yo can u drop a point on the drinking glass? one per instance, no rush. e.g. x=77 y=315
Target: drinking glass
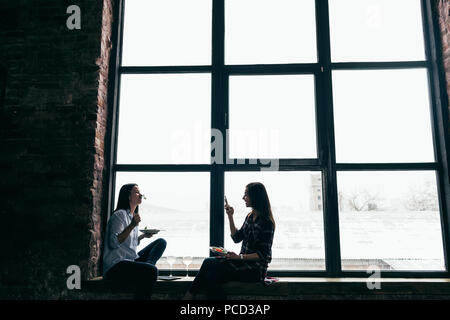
x=171 y=261
x=187 y=260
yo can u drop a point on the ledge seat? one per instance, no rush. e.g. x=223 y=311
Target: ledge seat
x=286 y=288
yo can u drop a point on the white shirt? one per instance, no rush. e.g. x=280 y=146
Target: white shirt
x=114 y=251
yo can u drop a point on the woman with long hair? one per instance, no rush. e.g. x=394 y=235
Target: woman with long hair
x=252 y=262
x=121 y=263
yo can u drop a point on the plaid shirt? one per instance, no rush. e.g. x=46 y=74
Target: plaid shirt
x=256 y=237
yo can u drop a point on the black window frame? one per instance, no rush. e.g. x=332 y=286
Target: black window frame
x=326 y=160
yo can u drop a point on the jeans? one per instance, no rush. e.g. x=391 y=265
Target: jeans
x=141 y=272
x=216 y=271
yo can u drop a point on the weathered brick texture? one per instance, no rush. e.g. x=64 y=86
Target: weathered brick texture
x=52 y=131
x=444 y=22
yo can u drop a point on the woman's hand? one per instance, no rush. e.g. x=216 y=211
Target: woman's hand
x=229 y=210
x=147 y=235
x=144 y=235
x=126 y=232
x=232 y=256
x=136 y=219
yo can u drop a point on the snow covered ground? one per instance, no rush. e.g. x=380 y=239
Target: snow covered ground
x=400 y=240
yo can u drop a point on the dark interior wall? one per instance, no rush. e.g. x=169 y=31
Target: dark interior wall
x=52 y=131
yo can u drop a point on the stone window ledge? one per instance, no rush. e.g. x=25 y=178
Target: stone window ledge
x=291 y=288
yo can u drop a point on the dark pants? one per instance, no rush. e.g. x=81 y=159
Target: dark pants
x=216 y=271
x=141 y=273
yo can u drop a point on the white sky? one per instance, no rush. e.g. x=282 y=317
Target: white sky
x=280 y=107
x=380 y=115
x=167 y=32
x=267 y=31
x=170 y=114
x=376 y=30
x=164 y=118
x=178 y=32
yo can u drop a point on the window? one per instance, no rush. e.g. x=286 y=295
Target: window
x=298 y=242
x=390 y=220
x=269 y=32
x=282 y=113
x=329 y=110
x=148 y=105
x=387 y=219
x=395 y=100
x=172 y=35
x=372 y=31
x=176 y=208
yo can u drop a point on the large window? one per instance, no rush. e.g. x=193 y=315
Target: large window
x=330 y=104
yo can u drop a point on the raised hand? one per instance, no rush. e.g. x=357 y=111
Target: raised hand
x=136 y=219
x=229 y=209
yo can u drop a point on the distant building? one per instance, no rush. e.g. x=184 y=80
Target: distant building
x=316 y=203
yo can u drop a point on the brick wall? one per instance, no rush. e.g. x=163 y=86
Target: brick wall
x=52 y=128
x=444 y=22
x=99 y=196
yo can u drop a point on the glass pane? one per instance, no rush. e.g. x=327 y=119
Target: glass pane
x=269 y=31
x=272 y=117
x=381 y=30
x=296 y=201
x=178 y=204
x=165 y=118
x=167 y=32
x=382 y=116
x=390 y=220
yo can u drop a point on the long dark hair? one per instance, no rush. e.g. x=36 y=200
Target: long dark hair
x=124 y=197
x=260 y=200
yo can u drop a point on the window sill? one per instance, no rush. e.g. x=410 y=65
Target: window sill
x=297 y=288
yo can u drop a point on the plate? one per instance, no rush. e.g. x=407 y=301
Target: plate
x=149 y=231
x=218 y=250
x=168 y=278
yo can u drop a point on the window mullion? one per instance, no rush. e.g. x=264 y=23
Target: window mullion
x=218 y=105
x=326 y=142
